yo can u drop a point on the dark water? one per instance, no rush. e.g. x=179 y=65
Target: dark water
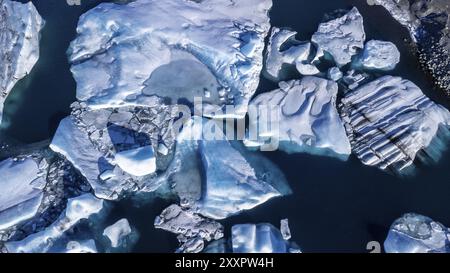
x=336 y=206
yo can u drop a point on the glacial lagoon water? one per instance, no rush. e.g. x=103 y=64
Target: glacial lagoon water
x=335 y=206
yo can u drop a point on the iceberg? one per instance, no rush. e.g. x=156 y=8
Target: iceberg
x=114 y=148
x=414 y=233
x=219 y=178
x=125 y=54
x=308 y=118
x=47 y=240
x=191 y=228
x=335 y=74
x=341 y=37
x=378 y=55
x=118 y=232
x=260 y=238
x=86 y=246
x=20 y=25
x=389 y=121
x=21 y=191
x=284 y=49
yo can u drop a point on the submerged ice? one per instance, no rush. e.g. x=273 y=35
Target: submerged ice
x=125 y=54
x=414 y=233
x=20 y=25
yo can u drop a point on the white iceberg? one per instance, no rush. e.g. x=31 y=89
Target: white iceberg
x=308 y=119
x=191 y=228
x=86 y=246
x=78 y=208
x=341 y=37
x=378 y=55
x=118 y=232
x=284 y=49
x=138 y=162
x=21 y=192
x=20 y=25
x=414 y=233
x=260 y=238
x=389 y=121
x=124 y=54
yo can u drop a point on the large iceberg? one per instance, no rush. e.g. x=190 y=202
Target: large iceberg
x=20 y=25
x=378 y=55
x=124 y=54
x=260 y=238
x=308 y=118
x=389 y=121
x=341 y=37
x=191 y=228
x=52 y=238
x=414 y=233
x=222 y=177
x=21 y=191
x=114 y=148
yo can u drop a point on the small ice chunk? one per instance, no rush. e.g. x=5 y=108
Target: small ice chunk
x=414 y=233
x=20 y=191
x=87 y=246
x=117 y=232
x=284 y=228
x=378 y=55
x=191 y=227
x=138 y=162
x=341 y=37
x=335 y=74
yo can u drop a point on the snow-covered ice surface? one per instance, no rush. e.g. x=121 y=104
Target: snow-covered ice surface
x=223 y=178
x=414 y=233
x=260 y=238
x=21 y=193
x=86 y=246
x=192 y=229
x=51 y=238
x=118 y=232
x=389 y=121
x=309 y=120
x=92 y=139
x=378 y=55
x=341 y=37
x=284 y=49
x=124 y=54
x=20 y=25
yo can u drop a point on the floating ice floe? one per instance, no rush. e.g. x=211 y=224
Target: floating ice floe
x=114 y=148
x=191 y=228
x=124 y=54
x=308 y=118
x=284 y=49
x=378 y=55
x=21 y=190
x=390 y=122
x=118 y=232
x=20 y=25
x=414 y=233
x=260 y=238
x=341 y=37
x=52 y=238
x=221 y=178
x=86 y=246
x=335 y=74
